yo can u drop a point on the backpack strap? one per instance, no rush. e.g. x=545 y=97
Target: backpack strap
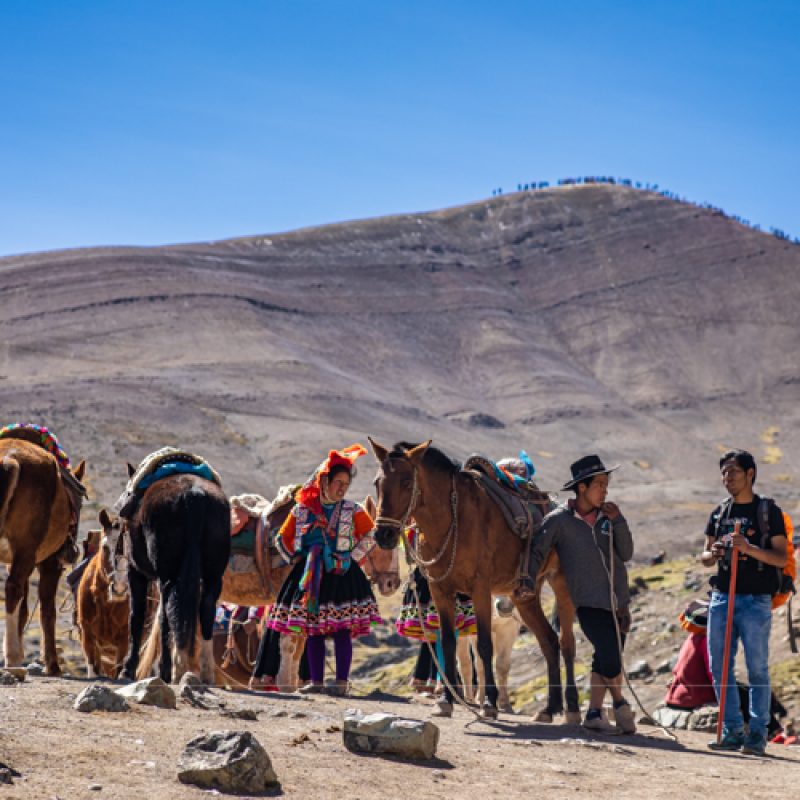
x=762 y=520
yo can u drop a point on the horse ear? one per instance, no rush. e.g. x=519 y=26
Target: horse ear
x=80 y=470
x=416 y=454
x=380 y=451
x=105 y=520
x=131 y=470
x=369 y=506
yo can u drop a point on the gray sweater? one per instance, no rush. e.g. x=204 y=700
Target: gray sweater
x=574 y=541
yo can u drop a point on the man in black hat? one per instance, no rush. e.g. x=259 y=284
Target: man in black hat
x=582 y=531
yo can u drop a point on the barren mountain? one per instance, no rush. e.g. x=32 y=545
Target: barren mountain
x=570 y=320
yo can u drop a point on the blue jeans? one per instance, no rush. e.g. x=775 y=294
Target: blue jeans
x=752 y=619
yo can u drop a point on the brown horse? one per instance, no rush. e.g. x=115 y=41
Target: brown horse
x=467 y=547
x=38 y=521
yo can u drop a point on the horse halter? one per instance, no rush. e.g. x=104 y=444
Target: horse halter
x=400 y=524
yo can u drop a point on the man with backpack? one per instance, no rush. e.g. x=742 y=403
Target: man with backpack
x=751 y=529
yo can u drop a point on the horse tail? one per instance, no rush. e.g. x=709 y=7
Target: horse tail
x=151 y=649
x=183 y=603
x=9 y=477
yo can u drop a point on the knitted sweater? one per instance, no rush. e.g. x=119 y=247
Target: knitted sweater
x=576 y=543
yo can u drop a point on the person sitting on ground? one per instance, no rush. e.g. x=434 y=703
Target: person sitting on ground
x=327 y=593
x=581 y=531
x=734 y=531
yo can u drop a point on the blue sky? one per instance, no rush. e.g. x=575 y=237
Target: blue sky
x=158 y=122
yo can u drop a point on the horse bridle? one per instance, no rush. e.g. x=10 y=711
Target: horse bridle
x=113 y=576
x=401 y=524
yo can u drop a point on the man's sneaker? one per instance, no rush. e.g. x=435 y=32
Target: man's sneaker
x=596 y=721
x=623 y=716
x=731 y=741
x=754 y=744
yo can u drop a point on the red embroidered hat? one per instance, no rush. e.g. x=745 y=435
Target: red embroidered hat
x=309 y=495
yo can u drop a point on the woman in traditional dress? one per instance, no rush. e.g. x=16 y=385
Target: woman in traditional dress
x=327 y=593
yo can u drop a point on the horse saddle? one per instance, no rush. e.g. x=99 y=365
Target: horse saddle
x=523 y=505
x=157 y=465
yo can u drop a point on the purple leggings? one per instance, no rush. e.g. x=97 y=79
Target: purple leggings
x=343 y=648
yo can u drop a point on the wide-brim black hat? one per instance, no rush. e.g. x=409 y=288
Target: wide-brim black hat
x=585 y=468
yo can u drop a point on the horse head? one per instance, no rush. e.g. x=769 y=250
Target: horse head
x=397 y=488
x=114 y=556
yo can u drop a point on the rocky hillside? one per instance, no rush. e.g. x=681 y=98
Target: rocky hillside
x=570 y=320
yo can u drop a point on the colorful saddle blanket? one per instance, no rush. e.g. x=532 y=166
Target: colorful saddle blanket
x=161 y=464
x=37 y=434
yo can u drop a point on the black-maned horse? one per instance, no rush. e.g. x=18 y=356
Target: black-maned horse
x=180 y=536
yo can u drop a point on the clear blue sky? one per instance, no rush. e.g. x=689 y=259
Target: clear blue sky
x=153 y=122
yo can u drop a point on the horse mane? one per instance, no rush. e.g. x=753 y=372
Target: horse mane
x=434 y=458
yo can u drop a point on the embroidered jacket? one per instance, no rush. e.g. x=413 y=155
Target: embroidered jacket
x=354 y=531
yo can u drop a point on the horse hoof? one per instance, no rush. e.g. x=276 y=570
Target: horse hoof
x=489 y=712
x=543 y=716
x=442 y=709
x=53 y=672
x=506 y=708
x=573 y=718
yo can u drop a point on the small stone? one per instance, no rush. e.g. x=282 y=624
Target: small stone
x=388 y=733
x=672 y=717
x=279 y=712
x=6 y=775
x=438 y=774
x=240 y=713
x=100 y=698
x=95 y=787
x=191 y=679
x=230 y=761
x=35 y=669
x=703 y=719
x=640 y=669
x=150 y=692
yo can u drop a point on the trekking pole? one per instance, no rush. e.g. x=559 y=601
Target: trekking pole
x=726 y=652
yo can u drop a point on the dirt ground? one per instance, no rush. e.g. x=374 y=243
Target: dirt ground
x=61 y=753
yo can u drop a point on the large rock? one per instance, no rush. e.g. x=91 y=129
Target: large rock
x=150 y=692
x=100 y=698
x=388 y=733
x=230 y=761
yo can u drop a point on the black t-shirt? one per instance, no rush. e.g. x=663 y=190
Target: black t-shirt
x=752 y=576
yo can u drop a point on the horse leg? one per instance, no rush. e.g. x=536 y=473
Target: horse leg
x=22 y=616
x=446 y=606
x=566 y=616
x=465 y=668
x=165 y=661
x=49 y=572
x=482 y=601
x=481 y=698
x=505 y=632
x=530 y=610
x=208 y=607
x=16 y=589
x=139 y=585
